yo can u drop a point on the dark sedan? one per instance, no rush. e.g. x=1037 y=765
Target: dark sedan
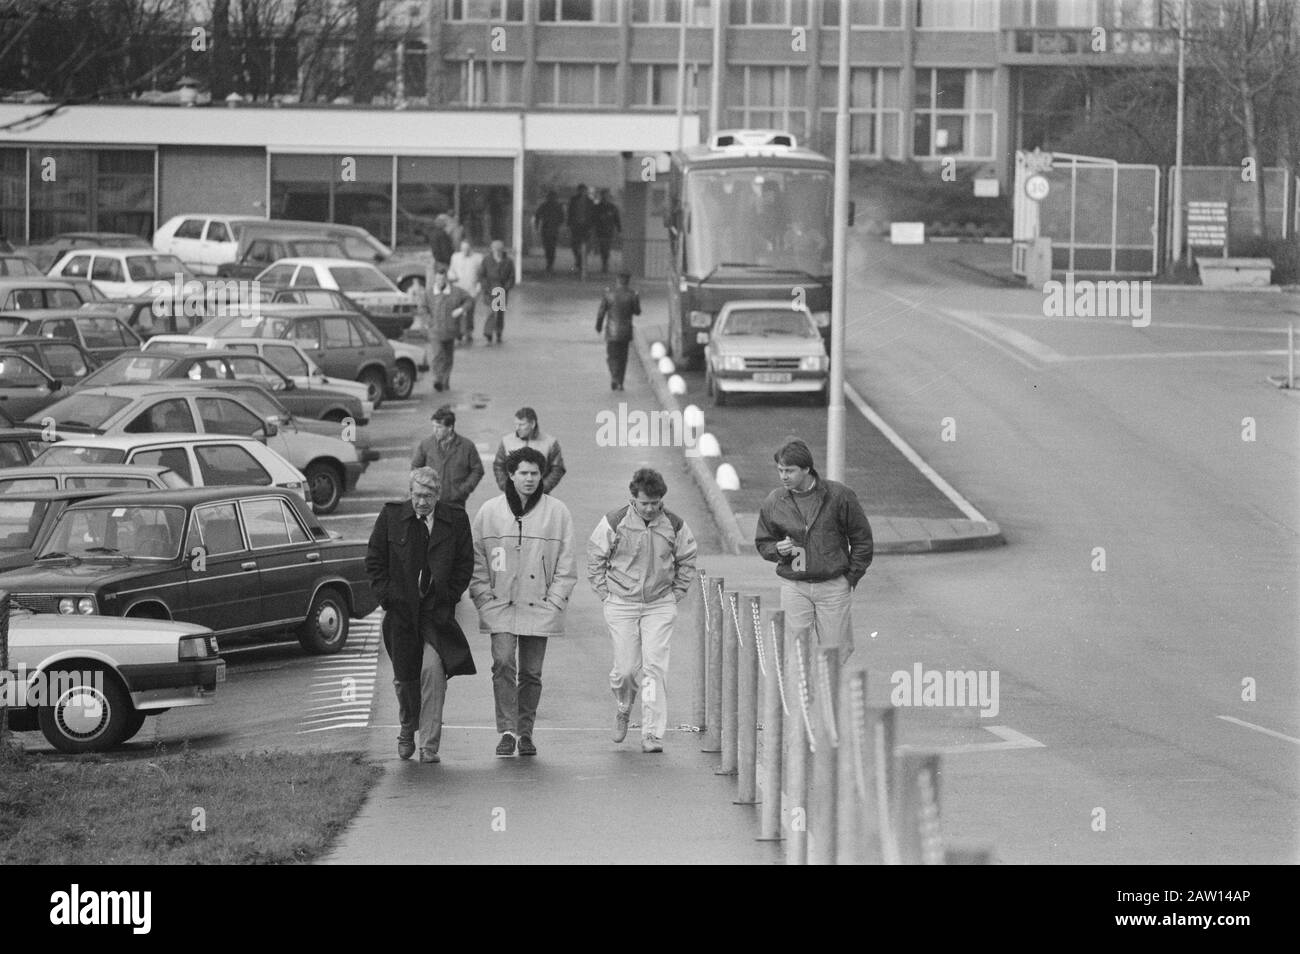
x=240 y=560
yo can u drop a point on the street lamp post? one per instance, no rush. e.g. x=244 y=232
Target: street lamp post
x=839 y=278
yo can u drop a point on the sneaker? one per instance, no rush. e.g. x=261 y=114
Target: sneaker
x=526 y=746
x=507 y=745
x=651 y=744
x=620 y=723
x=405 y=748
x=429 y=757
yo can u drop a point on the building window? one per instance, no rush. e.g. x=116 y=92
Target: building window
x=957 y=14
x=773 y=98
x=875 y=114
x=13 y=194
x=655 y=84
x=1049 y=13
x=769 y=12
x=953 y=114
x=484 y=84
x=879 y=14
x=577 y=11
x=698 y=12
x=577 y=84
x=480 y=10
x=1051 y=104
x=96 y=190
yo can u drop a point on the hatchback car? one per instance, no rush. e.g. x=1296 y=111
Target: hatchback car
x=46 y=253
x=765 y=347
x=115 y=477
x=103 y=337
x=240 y=560
x=122 y=273
x=203 y=241
x=390 y=326
x=371 y=289
x=36 y=294
x=92 y=681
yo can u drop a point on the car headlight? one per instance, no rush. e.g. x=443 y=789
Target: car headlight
x=813 y=362
x=74 y=605
x=822 y=319
x=193 y=647
x=733 y=362
x=701 y=319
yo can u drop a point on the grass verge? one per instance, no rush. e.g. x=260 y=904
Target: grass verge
x=190 y=808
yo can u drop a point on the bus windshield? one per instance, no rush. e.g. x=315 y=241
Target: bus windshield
x=768 y=218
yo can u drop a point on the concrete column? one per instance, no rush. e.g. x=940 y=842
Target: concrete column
x=907 y=81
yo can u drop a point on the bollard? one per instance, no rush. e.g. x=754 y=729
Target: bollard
x=916 y=815
x=711 y=737
x=849 y=812
x=794 y=813
x=4 y=666
x=750 y=629
x=864 y=827
x=730 y=665
x=823 y=788
x=701 y=654
x=774 y=711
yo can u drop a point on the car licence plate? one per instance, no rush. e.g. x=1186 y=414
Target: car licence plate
x=773 y=377
x=221 y=672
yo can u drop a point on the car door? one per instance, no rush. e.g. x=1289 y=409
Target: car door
x=288 y=565
x=288 y=360
x=174 y=456
x=105 y=337
x=75 y=266
x=306 y=334
x=165 y=416
x=217 y=248
x=65 y=361
x=223 y=583
x=187 y=242
x=343 y=345
x=24 y=388
x=221 y=415
x=259 y=371
x=109 y=276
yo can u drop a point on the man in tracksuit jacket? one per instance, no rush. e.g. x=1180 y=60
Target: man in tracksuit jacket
x=528 y=433
x=815 y=532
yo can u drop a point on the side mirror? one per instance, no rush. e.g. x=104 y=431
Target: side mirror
x=287 y=385
x=267 y=430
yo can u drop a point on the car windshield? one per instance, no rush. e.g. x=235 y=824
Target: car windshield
x=261 y=402
x=360 y=278
x=766 y=218
x=20 y=521
x=81 y=410
x=152 y=267
x=12 y=326
x=62 y=455
x=130 y=368
x=773 y=321
x=144 y=532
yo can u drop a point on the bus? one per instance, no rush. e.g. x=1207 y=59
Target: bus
x=749 y=216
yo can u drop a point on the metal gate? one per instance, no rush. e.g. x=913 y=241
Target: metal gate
x=1101 y=215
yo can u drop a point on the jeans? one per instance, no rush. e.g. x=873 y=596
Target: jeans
x=442 y=361
x=640 y=633
x=517 y=686
x=823 y=607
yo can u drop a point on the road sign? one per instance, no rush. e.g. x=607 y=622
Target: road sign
x=1037 y=187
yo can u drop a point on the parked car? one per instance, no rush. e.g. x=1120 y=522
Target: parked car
x=332 y=465
x=765 y=347
x=119 y=477
x=36 y=294
x=46 y=253
x=103 y=337
x=24 y=388
x=202 y=241
x=203 y=460
x=18 y=445
x=65 y=360
x=110 y=675
x=289 y=359
x=344 y=345
x=138 y=314
x=240 y=560
x=390 y=326
x=85 y=289
x=26 y=519
x=362 y=282
x=260 y=248
x=18 y=266
x=122 y=273
x=202 y=367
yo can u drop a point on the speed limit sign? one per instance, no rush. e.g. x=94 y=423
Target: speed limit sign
x=1037 y=187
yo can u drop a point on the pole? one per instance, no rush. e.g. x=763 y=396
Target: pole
x=824 y=789
x=774 y=698
x=700 y=702
x=681 y=80
x=750 y=631
x=730 y=665
x=4 y=665
x=1176 y=246
x=1290 y=355
x=835 y=411
x=711 y=738
x=794 y=813
x=715 y=72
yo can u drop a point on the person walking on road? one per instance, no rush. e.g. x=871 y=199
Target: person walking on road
x=447 y=305
x=580 y=223
x=547 y=221
x=440 y=241
x=523 y=576
x=420 y=559
x=605 y=226
x=463 y=273
x=453 y=457
x=617 y=307
x=641 y=563
x=496 y=276
x=816 y=533
x=528 y=433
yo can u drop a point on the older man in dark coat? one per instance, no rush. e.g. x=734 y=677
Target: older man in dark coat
x=420 y=560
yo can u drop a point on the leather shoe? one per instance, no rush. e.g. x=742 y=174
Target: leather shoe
x=405 y=748
x=429 y=757
x=526 y=746
x=507 y=745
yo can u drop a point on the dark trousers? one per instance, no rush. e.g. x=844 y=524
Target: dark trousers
x=616 y=358
x=442 y=361
x=494 y=323
x=579 y=240
x=549 y=240
x=602 y=246
x=467 y=320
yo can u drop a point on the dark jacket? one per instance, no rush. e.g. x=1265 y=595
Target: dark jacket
x=549 y=216
x=836 y=542
x=459 y=466
x=442 y=246
x=393 y=564
x=605 y=221
x=493 y=275
x=618 y=305
x=580 y=214
x=442 y=323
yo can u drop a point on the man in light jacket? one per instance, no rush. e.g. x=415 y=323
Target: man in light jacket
x=523 y=575
x=529 y=434
x=641 y=563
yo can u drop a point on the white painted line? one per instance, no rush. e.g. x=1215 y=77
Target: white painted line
x=1150 y=356
x=1016 y=339
x=1260 y=728
x=945 y=488
x=327 y=728
x=348 y=516
x=1011 y=740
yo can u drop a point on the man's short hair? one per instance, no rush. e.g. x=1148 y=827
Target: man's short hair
x=527 y=414
x=525 y=455
x=445 y=415
x=649 y=481
x=794 y=453
x=426 y=477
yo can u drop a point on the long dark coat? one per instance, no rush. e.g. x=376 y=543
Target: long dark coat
x=393 y=564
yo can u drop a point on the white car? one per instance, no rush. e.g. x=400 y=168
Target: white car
x=121 y=272
x=202 y=241
x=362 y=282
x=89 y=682
x=765 y=347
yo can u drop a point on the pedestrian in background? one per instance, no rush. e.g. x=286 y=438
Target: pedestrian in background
x=463 y=273
x=440 y=241
x=547 y=221
x=617 y=307
x=580 y=222
x=452 y=456
x=446 y=305
x=420 y=559
x=496 y=276
x=528 y=433
x=641 y=563
x=816 y=533
x=605 y=226
x=523 y=576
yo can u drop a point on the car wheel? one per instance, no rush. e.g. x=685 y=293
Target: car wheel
x=403 y=381
x=338 y=415
x=325 y=630
x=823 y=396
x=326 y=485
x=414 y=285
x=88 y=717
x=373 y=379
x=715 y=392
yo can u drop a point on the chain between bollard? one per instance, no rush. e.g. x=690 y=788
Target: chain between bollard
x=780 y=677
x=758 y=640
x=704 y=592
x=734 y=600
x=803 y=694
x=828 y=704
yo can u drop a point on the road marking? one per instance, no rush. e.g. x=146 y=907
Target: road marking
x=1016 y=339
x=1156 y=355
x=349 y=684
x=951 y=319
x=1260 y=728
x=945 y=488
x=348 y=516
x=1011 y=739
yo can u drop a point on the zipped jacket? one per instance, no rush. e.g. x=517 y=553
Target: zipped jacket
x=835 y=542
x=639 y=562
